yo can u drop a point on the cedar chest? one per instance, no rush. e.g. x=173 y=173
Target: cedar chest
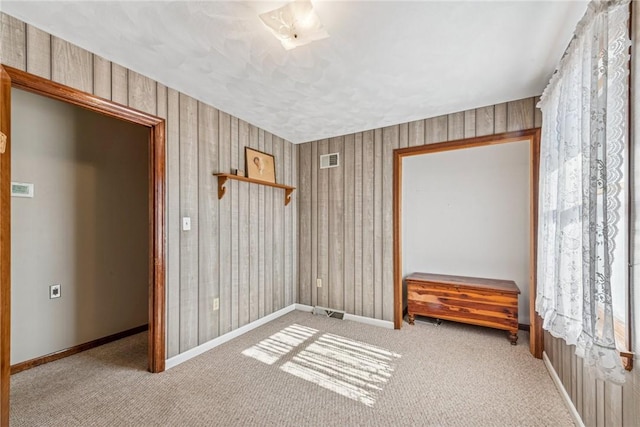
x=484 y=302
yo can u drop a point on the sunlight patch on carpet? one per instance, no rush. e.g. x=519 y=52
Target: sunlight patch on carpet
x=277 y=345
x=350 y=368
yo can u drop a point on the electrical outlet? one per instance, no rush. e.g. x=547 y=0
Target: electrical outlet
x=216 y=304
x=54 y=291
x=319 y=283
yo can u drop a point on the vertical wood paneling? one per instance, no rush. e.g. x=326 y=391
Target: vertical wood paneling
x=304 y=205
x=368 y=228
x=613 y=405
x=579 y=386
x=254 y=239
x=404 y=135
x=269 y=236
x=336 y=228
x=287 y=227
x=102 y=78
x=600 y=397
x=189 y=208
x=416 y=133
x=208 y=257
x=141 y=93
x=484 y=121
x=500 y=118
x=436 y=130
x=390 y=141
x=631 y=397
x=323 y=227
x=358 y=223
x=235 y=225
x=261 y=237
x=119 y=84
x=13 y=44
x=277 y=201
x=377 y=224
x=520 y=114
x=455 y=124
x=348 y=192
x=537 y=118
x=599 y=403
x=224 y=225
x=173 y=223
x=73 y=65
x=314 y=223
x=470 y=124
x=295 y=158
x=38 y=52
x=243 y=230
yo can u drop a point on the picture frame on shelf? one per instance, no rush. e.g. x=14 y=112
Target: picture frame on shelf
x=259 y=165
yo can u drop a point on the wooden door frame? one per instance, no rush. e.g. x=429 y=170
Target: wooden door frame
x=533 y=136
x=156 y=125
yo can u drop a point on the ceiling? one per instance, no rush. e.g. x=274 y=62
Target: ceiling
x=385 y=62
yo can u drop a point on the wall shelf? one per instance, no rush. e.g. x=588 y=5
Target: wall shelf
x=223 y=177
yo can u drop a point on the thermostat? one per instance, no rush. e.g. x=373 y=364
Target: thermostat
x=21 y=189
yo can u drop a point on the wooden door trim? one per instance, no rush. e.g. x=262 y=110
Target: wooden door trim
x=157 y=142
x=5 y=248
x=533 y=136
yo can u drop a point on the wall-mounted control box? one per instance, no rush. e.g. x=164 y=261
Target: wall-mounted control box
x=21 y=189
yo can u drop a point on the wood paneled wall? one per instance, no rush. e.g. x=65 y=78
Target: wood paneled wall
x=599 y=403
x=243 y=248
x=345 y=213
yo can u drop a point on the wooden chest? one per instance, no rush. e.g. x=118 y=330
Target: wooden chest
x=483 y=302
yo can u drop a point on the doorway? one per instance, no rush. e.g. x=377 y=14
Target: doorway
x=79 y=233
x=11 y=77
x=532 y=139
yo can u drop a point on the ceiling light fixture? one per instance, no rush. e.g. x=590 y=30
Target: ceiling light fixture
x=295 y=24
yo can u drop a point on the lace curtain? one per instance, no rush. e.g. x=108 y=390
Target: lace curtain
x=582 y=151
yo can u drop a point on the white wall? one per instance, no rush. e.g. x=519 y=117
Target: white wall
x=86 y=228
x=466 y=212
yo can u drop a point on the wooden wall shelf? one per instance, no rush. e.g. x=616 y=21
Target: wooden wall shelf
x=223 y=177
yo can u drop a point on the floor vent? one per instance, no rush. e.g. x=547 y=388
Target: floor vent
x=329 y=160
x=322 y=311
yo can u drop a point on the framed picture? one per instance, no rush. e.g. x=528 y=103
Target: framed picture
x=259 y=165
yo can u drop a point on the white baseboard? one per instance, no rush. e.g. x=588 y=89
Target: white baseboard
x=196 y=351
x=303 y=307
x=367 y=320
x=565 y=396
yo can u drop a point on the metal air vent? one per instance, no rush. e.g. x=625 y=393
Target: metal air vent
x=329 y=160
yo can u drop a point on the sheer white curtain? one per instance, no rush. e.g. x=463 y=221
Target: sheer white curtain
x=582 y=153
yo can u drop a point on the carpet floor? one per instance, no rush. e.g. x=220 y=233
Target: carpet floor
x=302 y=370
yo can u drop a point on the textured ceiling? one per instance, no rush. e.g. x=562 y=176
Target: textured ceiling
x=384 y=62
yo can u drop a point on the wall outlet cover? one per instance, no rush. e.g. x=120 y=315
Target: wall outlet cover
x=54 y=291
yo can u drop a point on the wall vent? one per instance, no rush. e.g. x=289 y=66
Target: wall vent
x=329 y=160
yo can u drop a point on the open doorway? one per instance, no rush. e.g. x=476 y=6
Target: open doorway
x=530 y=140
x=11 y=77
x=79 y=234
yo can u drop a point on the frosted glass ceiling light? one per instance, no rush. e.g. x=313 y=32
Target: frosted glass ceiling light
x=295 y=24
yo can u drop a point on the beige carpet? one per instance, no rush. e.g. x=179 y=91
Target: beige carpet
x=302 y=370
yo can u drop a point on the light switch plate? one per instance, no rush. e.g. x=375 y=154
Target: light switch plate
x=186 y=223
